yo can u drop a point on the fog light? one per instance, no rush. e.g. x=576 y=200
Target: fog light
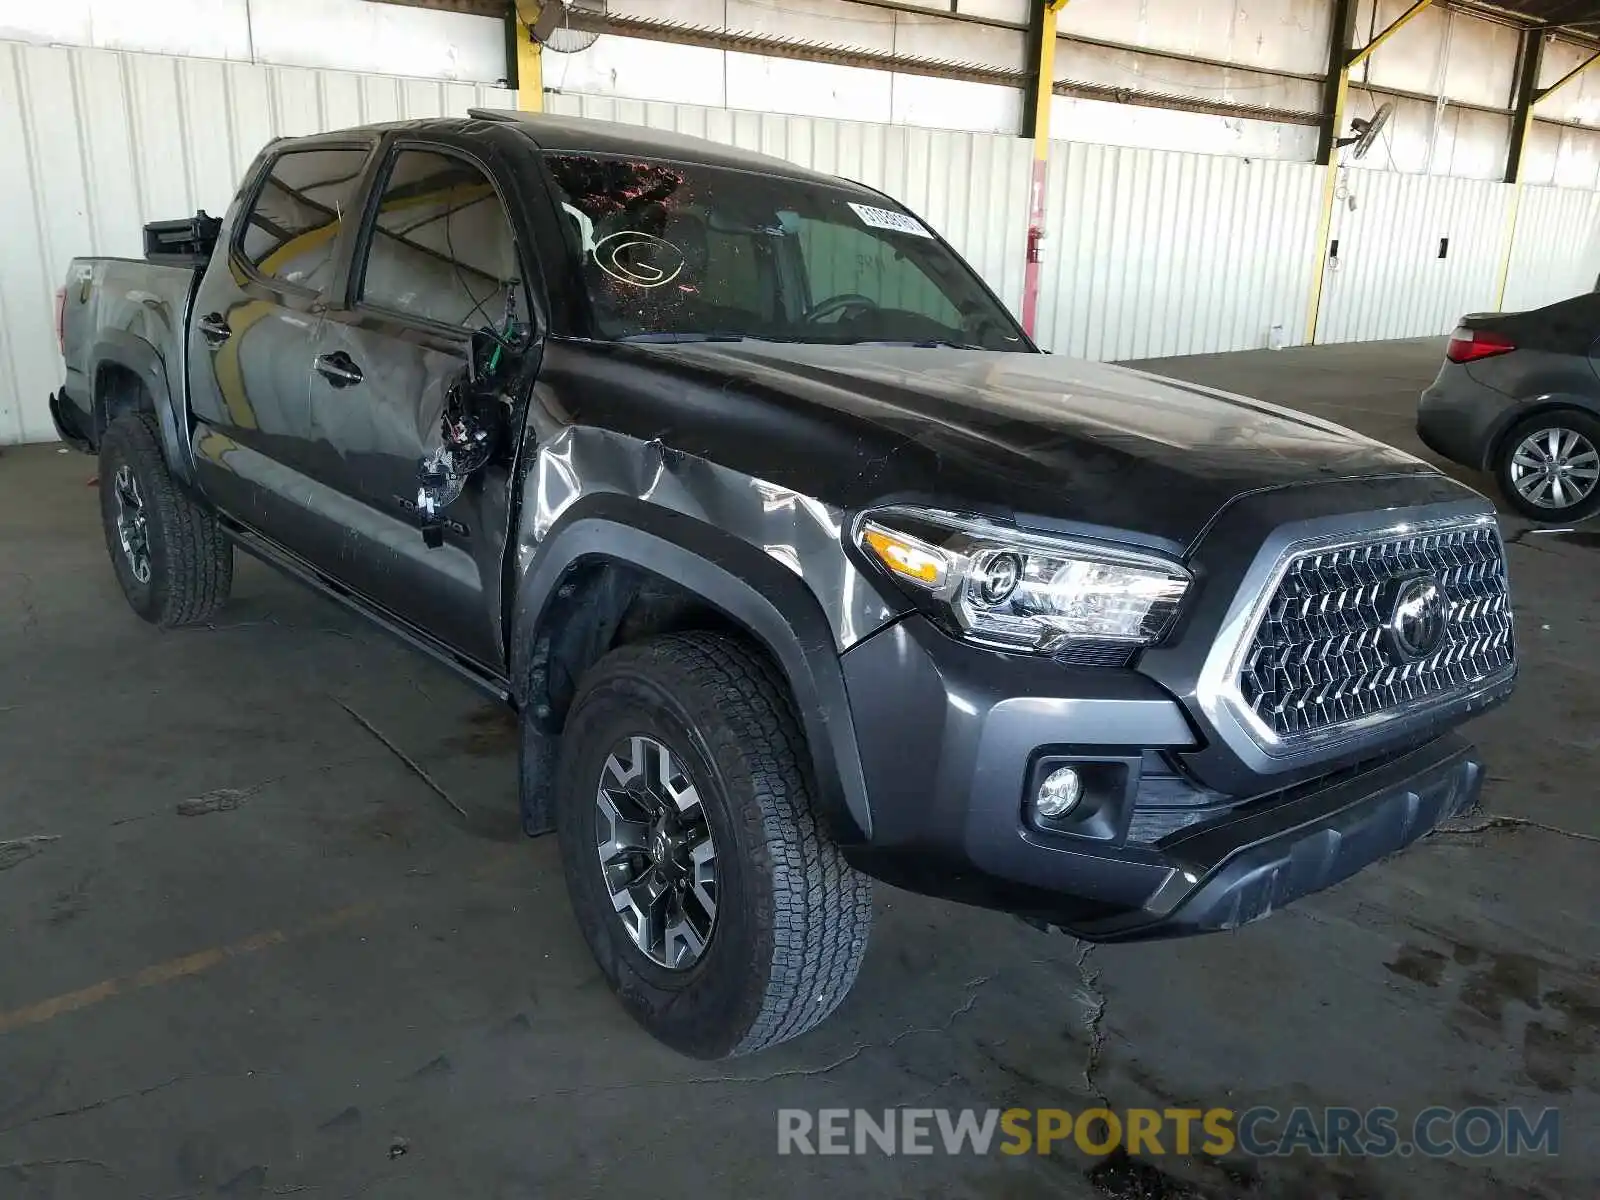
x=1059 y=793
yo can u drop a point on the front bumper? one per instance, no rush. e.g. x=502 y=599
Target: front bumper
x=952 y=738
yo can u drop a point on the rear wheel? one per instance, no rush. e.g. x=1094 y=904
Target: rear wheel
x=170 y=556
x=722 y=916
x=1549 y=466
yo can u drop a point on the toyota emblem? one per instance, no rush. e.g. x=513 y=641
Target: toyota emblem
x=1416 y=620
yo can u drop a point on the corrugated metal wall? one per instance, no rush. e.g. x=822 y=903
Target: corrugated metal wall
x=971 y=187
x=1390 y=281
x=1556 y=252
x=1151 y=252
x=94 y=143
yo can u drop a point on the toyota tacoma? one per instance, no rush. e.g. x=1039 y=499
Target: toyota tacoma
x=799 y=563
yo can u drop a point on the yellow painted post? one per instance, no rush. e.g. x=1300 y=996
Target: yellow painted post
x=530 y=71
x=1335 y=94
x=1043 y=93
x=1512 y=210
x=1529 y=93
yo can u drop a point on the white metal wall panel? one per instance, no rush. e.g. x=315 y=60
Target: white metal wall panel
x=343 y=35
x=1390 y=281
x=971 y=187
x=1556 y=250
x=1152 y=253
x=96 y=142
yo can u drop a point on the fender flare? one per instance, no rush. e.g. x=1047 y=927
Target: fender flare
x=752 y=589
x=134 y=354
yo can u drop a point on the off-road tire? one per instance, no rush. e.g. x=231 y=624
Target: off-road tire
x=792 y=917
x=191 y=562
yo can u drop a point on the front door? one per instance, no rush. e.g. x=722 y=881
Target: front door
x=438 y=264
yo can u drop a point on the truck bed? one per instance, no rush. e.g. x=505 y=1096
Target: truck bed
x=126 y=314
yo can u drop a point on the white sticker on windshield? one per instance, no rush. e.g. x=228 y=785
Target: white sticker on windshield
x=887 y=218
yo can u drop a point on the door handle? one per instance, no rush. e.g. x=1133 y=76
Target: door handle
x=215 y=329
x=339 y=369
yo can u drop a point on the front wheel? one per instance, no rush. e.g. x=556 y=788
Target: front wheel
x=1549 y=466
x=171 y=558
x=724 y=919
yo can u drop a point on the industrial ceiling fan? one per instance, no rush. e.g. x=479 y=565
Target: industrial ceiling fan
x=1366 y=130
x=550 y=23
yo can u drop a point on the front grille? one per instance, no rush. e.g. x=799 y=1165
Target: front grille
x=1321 y=658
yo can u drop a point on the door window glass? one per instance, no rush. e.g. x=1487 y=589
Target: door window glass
x=293 y=226
x=441 y=247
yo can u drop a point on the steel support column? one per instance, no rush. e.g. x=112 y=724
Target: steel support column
x=1527 y=94
x=1335 y=95
x=1336 y=86
x=1036 y=105
x=529 y=60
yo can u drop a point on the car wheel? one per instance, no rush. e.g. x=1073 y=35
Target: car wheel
x=1549 y=468
x=723 y=918
x=174 y=564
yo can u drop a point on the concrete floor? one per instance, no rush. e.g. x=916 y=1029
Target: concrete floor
x=246 y=952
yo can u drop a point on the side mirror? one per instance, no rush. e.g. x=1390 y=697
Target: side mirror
x=469 y=430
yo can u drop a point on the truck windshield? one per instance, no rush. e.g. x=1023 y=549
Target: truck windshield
x=684 y=252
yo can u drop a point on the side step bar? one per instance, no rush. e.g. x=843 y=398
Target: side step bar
x=468 y=671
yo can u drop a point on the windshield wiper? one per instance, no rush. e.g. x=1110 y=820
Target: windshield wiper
x=927 y=344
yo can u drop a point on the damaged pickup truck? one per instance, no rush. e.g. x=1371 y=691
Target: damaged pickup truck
x=801 y=565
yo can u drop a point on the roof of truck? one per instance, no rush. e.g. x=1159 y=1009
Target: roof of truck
x=550 y=131
x=554 y=132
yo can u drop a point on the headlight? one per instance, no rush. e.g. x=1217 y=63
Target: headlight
x=1016 y=591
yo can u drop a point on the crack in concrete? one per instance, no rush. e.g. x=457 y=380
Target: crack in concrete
x=30 y=1163
x=972 y=987
x=1094 y=1002
x=103 y=1102
x=923 y=1097
x=30 y=614
x=405 y=758
x=1493 y=821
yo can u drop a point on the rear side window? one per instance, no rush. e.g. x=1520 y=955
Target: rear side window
x=441 y=248
x=293 y=226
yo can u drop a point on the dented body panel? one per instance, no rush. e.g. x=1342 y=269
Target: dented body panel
x=126 y=316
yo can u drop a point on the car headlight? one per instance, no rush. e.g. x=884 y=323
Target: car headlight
x=993 y=584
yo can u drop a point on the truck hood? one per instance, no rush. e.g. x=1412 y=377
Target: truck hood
x=1052 y=441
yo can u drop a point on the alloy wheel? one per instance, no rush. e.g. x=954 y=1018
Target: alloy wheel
x=656 y=852
x=133 y=530
x=1555 y=468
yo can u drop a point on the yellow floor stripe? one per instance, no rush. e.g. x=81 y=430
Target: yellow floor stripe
x=176 y=968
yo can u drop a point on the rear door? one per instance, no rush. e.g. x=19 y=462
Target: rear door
x=253 y=326
x=437 y=260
